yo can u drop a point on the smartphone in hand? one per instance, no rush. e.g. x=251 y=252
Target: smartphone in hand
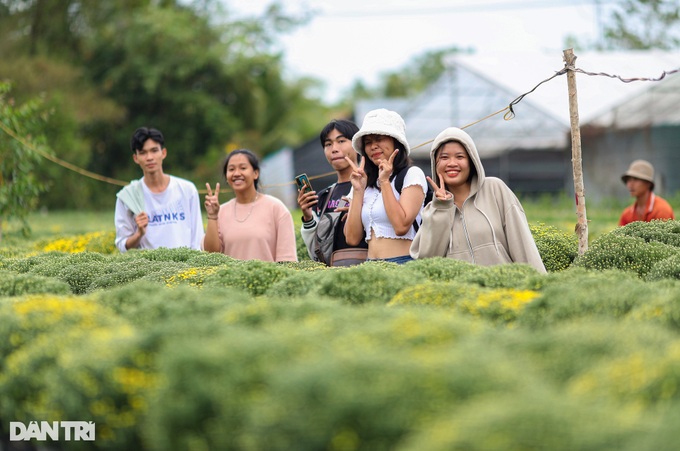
x=303 y=181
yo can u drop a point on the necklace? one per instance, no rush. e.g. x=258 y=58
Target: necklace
x=251 y=209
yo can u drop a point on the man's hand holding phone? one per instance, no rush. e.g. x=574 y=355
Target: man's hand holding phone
x=307 y=197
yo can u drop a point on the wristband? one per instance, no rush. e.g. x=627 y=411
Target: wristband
x=309 y=225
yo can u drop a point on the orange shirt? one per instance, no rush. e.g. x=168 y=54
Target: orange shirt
x=657 y=208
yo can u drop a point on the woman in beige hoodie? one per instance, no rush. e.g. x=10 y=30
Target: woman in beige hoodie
x=471 y=217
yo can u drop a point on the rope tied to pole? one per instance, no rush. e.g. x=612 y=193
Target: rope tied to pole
x=509 y=110
x=511 y=113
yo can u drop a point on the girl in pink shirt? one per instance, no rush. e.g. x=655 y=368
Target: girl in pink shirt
x=251 y=226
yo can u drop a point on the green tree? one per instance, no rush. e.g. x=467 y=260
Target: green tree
x=21 y=131
x=78 y=106
x=208 y=81
x=163 y=66
x=60 y=28
x=635 y=25
x=409 y=80
x=644 y=24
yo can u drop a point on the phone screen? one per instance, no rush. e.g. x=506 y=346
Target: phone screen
x=302 y=181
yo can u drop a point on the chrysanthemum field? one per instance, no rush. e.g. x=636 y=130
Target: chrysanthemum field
x=180 y=349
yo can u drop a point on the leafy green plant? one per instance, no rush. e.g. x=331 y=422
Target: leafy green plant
x=191 y=276
x=299 y=283
x=514 y=275
x=332 y=367
x=661 y=305
x=647 y=376
x=557 y=248
x=23 y=319
x=119 y=272
x=536 y=419
x=71 y=358
x=197 y=350
x=26 y=264
x=162 y=271
x=305 y=265
x=436 y=294
x=15 y=284
x=662 y=231
x=163 y=254
x=440 y=269
x=500 y=305
x=78 y=269
x=147 y=304
x=81 y=275
x=9 y=251
x=253 y=276
x=209 y=259
x=666 y=268
x=373 y=281
x=609 y=293
x=301 y=248
x=615 y=250
x=209 y=384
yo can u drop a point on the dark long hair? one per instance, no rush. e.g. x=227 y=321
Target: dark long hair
x=252 y=159
x=401 y=161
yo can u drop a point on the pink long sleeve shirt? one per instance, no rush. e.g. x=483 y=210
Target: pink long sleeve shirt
x=262 y=230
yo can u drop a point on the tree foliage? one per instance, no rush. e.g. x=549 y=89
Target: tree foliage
x=78 y=106
x=19 y=186
x=210 y=82
x=411 y=79
x=644 y=24
x=636 y=25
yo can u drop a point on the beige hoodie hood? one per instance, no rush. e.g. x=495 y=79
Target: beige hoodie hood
x=458 y=135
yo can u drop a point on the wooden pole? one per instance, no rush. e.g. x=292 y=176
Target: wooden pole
x=576 y=161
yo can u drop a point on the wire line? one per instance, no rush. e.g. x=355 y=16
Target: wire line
x=61 y=162
x=510 y=114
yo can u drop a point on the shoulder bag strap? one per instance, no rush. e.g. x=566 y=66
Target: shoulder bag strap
x=330 y=190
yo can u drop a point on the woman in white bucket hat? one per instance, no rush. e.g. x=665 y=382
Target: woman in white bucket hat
x=639 y=179
x=378 y=212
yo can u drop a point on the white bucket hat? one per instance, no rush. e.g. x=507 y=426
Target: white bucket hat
x=381 y=122
x=640 y=169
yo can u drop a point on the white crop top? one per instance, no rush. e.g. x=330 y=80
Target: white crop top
x=373 y=214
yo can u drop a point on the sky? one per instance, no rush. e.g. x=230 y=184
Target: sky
x=348 y=40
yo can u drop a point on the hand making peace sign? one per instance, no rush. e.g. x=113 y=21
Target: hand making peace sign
x=440 y=193
x=212 y=203
x=359 y=179
x=386 y=166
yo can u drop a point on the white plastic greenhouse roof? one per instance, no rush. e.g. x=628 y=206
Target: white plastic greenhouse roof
x=520 y=72
x=655 y=106
x=481 y=84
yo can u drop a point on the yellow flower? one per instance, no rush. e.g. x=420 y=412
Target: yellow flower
x=504 y=302
x=94 y=242
x=194 y=277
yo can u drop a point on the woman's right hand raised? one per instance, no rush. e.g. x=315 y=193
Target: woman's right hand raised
x=212 y=202
x=440 y=193
x=358 y=178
